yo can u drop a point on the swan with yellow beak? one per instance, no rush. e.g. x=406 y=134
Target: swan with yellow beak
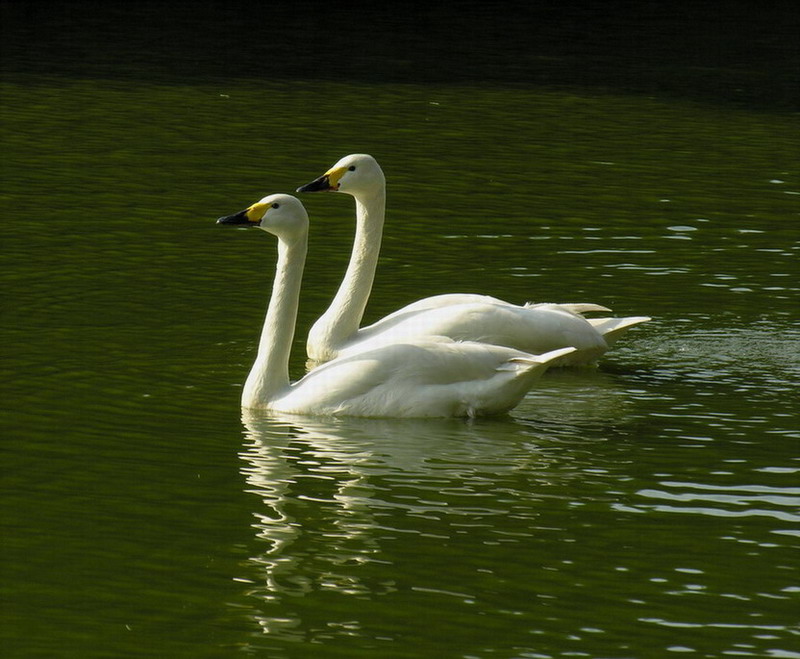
x=532 y=328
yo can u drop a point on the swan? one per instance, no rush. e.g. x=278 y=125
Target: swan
x=532 y=328
x=435 y=377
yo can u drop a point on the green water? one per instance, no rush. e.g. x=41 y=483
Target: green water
x=646 y=508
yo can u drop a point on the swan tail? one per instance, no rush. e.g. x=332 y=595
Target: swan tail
x=584 y=307
x=514 y=378
x=613 y=328
x=537 y=363
x=577 y=308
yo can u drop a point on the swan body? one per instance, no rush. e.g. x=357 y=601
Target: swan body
x=435 y=377
x=487 y=322
x=531 y=328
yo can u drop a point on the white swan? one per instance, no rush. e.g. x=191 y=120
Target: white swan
x=532 y=328
x=430 y=378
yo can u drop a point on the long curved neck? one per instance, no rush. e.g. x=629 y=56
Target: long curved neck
x=343 y=317
x=270 y=372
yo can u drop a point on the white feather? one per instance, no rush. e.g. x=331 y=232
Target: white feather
x=435 y=377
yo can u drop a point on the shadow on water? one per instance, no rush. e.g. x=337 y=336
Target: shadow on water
x=737 y=55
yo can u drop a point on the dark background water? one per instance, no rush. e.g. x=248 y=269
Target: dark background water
x=739 y=54
x=638 y=155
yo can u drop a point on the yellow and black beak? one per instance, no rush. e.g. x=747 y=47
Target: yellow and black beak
x=328 y=182
x=248 y=217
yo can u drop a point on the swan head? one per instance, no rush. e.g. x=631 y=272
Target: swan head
x=279 y=214
x=358 y=173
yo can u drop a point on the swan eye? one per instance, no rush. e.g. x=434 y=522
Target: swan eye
x=351 y=168
x=276 y=205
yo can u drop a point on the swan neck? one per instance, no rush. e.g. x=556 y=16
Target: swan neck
x=343 y=318
x=269 y=376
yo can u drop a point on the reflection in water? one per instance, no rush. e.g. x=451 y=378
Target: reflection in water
x=515 y=529
x=346 y=502
x=779 y=503
x=337 y=492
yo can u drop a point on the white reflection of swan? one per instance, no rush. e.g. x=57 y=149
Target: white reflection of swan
x=335 y=493
x=283 y=454
x=532 y=328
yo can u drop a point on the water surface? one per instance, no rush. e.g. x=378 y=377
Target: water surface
x=645 y=507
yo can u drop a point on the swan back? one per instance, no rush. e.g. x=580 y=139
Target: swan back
x=533 y=330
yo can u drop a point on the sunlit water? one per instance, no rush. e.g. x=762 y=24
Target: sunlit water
x=648 y=507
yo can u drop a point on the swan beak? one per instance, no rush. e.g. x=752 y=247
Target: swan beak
x=242 y=218
x=328 y=182
x=321 y=184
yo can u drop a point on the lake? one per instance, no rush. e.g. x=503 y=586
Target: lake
x=646 y=507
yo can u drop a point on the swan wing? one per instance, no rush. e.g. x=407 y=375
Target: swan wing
x=428 y=304
x=532 y=329
x=436 y=378
x=454 y=299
